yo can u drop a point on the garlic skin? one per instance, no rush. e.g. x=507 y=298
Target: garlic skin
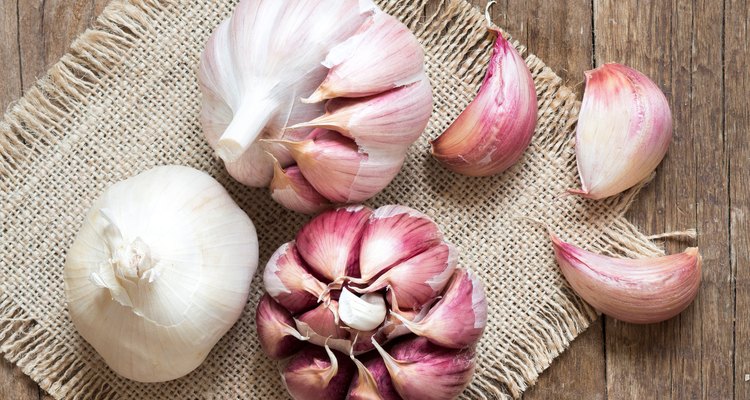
x=459 y=317
x=278 y=338
x=259 y=64
x=639 y=291
x=382 y=277
x=383 y=55
x=159 y=271
x=422 y=370
x=624 y=130
x=495 y=129
x=372 y=382
x=314 y=374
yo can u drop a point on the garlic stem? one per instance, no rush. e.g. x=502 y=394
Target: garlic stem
x=247 y=124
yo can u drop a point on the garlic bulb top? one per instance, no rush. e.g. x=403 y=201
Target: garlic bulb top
x=362 y=283
x=624 y=130
x=160 y=270
x=319 y=99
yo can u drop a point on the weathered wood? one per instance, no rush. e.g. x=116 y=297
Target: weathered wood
x=737 y=123
x=679 y=45
x=696 y=52
x=36 y=34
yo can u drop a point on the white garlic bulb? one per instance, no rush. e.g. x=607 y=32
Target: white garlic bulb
x=317 y=99
x=160 y=270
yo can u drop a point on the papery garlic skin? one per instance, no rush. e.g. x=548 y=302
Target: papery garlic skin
x=160 y=270
x=390 y=277
x=261 y=62
x=276 y=333
x=315 y=374
x=640 y=291
x=495 y=129
x=624 y=130
x=422 y=370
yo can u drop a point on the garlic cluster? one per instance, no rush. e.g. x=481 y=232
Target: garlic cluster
x=624 y=130
x=640 y=291
x=317 y=99
x=495 y=129
x=370 y=304
x=160 y=270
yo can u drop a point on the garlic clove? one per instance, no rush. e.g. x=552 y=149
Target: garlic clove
x=495 y=129
x=290 y=189
x=277 y=337
x=315 y=374
x=288 y=282
x=422 y=370
x=640 y=291
x=361 y=313
x=323 y=320
x=383 y=55
x=419 y=279
x=392 y=234
x=330 y=242
x=372 y=381
x=459 y=317
x=392 y=120
x=336 y=168
x=624 y=130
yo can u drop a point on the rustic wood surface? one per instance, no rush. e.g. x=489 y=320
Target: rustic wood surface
x=696 y=51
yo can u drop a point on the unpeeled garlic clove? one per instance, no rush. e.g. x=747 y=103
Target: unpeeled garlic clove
x=372 y=381
x=383 y=55
x=330 y=242
x=392 y=120
x=276 y=334
x=495 y=129
x=336 y=168
x=422 y=370
x=459 y=318
x=287 y=281
x=419 y=279
x=640 y=291
x=624 y=130
x=392 y=234
x=323 y=320
x=290 y=189
x=315 y=374
x=361 y=313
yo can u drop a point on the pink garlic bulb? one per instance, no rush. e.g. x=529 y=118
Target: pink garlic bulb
x=369 y=283
x=317 y=99
x=624 y=130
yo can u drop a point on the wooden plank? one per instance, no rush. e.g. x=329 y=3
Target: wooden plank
x=678 y=44
x=10 y=85
x=737 y=122
x=38 y=33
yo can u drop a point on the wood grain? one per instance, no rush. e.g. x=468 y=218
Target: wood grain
x=696 y=52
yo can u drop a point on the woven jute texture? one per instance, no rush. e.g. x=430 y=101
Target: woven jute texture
x=125 y=99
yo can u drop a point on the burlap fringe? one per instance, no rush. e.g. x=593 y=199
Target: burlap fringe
x=36 y=119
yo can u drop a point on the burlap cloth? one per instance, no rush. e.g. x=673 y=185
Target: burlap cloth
x=125 y=99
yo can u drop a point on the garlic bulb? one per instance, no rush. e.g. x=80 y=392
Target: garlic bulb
x=624 y=130
x=160 y=270
x=355 y=279
x=318 y=99
x=495 y=129
x=640 y=291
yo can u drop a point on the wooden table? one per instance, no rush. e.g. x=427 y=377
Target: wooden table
x=696 y=51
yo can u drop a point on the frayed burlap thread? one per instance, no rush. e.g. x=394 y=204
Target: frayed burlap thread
x=125 y=99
